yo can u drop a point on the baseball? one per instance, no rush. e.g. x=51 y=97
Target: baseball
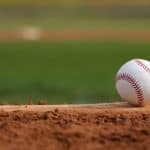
x=133 y=82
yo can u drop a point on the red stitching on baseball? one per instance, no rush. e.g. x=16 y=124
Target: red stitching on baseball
x=135 y=84
x=141 y=64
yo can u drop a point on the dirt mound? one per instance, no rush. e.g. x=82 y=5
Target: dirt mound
x=76 y=128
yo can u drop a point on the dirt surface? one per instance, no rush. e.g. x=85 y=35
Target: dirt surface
x=101 y=34
x=75 y=127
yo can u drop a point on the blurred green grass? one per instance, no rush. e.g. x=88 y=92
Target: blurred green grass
x=64 y=72
x=72 y=23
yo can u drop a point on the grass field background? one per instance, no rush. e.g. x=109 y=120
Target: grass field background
x=71 y=2
x=64 y=72
x=68 y=71
x=61 y=23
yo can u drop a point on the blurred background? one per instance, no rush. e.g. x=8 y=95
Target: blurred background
x=68 y=51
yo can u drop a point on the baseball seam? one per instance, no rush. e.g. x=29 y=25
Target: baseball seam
x=141 y=64
x=135 y=84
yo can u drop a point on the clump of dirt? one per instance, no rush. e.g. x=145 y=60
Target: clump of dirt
x=75 y=129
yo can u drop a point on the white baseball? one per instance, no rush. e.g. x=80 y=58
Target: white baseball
x=133 y=82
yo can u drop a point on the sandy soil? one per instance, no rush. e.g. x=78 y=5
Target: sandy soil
x=74 y=127
x=101 y=34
